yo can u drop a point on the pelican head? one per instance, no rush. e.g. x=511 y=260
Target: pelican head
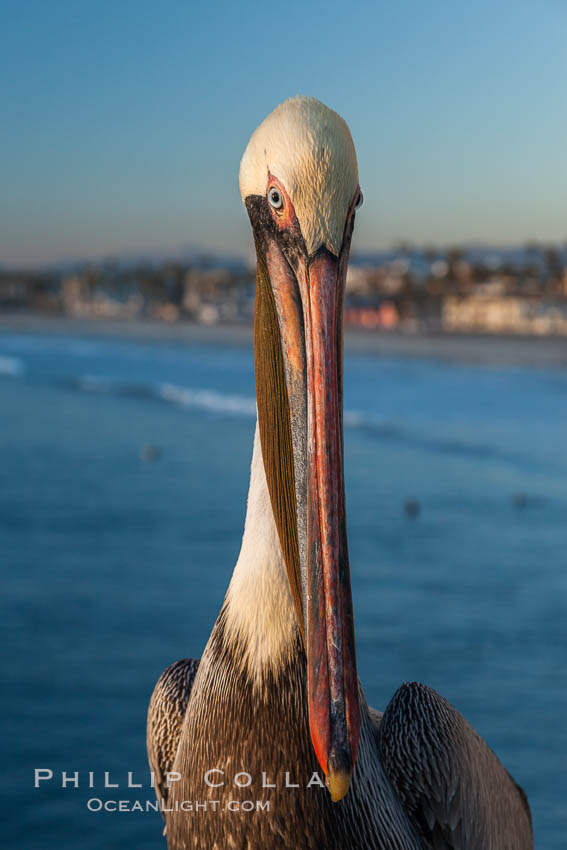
x=299 y=182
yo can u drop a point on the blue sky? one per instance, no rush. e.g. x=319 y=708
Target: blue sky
x=123 y=122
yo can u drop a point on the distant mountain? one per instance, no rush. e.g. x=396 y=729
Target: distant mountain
x=185 y=255
x=492 y=256
x=418 y=259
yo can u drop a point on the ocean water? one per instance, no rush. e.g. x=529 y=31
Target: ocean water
x=113 y=567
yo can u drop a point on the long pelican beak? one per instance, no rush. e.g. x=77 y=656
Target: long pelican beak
x=298 y=358
x=334 y=712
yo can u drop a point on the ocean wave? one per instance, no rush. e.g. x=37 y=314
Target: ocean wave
x=12 y=366
x=181 y=396
x=386 y=430
x=208 y=400
x=226 y=404
x=95 y=384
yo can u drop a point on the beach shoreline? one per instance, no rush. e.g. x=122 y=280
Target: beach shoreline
x=483 y=349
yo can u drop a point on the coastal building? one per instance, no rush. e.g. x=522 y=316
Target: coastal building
x=494 y=312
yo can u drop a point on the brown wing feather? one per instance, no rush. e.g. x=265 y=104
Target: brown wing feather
x=451 y=784
x=166 y=713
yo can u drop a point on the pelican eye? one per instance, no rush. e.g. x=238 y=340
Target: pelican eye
x=275 y=198
x=359 y=201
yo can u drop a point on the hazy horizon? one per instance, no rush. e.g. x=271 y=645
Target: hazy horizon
x=123 y=129
x=186 y=254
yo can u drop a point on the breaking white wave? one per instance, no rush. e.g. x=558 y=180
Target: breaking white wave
x=11 y=366
x=225 y=404
x=196 y=398
x=207 y=400
x=181 y=396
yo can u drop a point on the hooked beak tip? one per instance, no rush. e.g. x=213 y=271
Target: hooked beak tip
x=338 y=783
x=339 y=774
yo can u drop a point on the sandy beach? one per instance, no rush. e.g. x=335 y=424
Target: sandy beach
x=524 y=351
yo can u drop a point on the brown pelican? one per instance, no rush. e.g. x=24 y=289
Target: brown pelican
x=273 y=712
